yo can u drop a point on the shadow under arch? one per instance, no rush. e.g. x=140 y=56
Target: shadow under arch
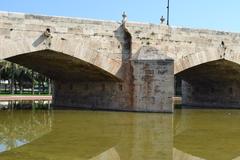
x=77 y=83
x=211 y=84
x=62 y=67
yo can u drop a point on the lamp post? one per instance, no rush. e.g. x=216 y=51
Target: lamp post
x=168 y=13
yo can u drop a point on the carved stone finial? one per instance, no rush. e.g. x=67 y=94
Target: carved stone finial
x=124 y=16
x=162 y=19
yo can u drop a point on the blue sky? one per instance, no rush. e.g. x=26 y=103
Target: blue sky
x=211 y=14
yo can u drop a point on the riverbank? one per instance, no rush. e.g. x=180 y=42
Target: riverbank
x=177 y=100
x=25 y=97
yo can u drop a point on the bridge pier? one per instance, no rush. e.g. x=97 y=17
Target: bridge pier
x=91 y=95
x=151 y=90
x=153 y=81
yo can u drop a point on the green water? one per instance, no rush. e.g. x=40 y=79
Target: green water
x=81 y=135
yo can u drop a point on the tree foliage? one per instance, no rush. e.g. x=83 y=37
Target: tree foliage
x=18 y=79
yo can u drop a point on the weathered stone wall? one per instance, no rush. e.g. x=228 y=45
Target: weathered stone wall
x=107 y=47
x=153 y=81
x=219 y=95
x=96 y=42
x=91 y=95
x=188 y=47
x=153 y=90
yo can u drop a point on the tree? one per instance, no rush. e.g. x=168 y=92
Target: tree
x=19 y=77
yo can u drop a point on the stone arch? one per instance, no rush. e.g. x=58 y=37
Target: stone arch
x=195 y=59
x=209 y=79
x=11 y=49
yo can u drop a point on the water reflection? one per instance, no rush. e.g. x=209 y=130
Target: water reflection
x=101 y=135
x=109 y=154
x=207 y=134
x=149 y=136
x=25 y=104
x=19 y=128
x=180 y=155
x=87 y=135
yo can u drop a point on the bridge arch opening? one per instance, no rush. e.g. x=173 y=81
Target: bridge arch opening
x=77 y=83
x=16 y=79
x=59 y=66
x=212 y=84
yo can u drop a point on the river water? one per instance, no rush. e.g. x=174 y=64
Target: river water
x=188 y=134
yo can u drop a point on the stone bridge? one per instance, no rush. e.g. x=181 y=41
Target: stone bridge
x=108 y=65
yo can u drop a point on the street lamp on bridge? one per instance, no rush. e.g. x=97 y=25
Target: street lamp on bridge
x=168 y=12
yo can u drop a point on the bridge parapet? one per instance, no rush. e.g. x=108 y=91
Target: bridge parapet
x=188 y=47
x=92 y=41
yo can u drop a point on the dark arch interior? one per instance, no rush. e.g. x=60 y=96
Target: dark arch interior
x=62 y=67
x=212 y=84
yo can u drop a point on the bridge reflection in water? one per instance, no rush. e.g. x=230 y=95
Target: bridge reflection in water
x=19 y=128
x=87 y=135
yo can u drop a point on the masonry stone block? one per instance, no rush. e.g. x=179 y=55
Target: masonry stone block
x=153 y=81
